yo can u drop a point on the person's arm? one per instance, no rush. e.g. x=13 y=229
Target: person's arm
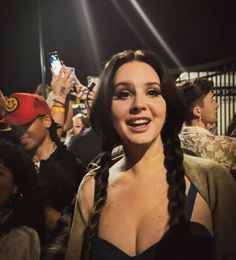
x=61 y=106
x=61 y=85
x=80 y=89
x=51 y=217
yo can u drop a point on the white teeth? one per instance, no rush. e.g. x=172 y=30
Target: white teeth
x=140 y=121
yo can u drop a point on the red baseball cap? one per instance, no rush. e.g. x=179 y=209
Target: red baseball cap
x=22 y=108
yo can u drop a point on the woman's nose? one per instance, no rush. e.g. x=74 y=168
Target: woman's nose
x=138 y=105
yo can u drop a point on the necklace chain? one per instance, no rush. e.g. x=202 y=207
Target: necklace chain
x=5 y=215
x=37 y=163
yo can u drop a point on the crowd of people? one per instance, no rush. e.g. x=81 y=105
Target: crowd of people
x=136 y=174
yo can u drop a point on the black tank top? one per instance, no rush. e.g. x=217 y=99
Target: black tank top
x=190 y=241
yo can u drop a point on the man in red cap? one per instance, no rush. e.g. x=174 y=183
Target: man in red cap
x=29 y=117
x=33 y=127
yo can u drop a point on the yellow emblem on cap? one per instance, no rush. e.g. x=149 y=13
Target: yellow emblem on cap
x=12 y=104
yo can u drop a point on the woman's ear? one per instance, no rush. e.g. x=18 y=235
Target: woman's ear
x=47 y=121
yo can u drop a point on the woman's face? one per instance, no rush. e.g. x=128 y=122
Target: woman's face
x=6 y=183
x=138 y=108
x=77 y=126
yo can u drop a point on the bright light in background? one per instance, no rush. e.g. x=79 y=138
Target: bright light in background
x=127 y=20
x=92 y=39
x=156 y=33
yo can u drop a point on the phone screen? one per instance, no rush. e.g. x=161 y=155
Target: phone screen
x=55 y=62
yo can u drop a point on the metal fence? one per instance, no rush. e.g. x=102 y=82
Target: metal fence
x=223 y=74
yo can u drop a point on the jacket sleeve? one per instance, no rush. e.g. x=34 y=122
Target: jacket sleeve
x=218 y=188
x=75 y=242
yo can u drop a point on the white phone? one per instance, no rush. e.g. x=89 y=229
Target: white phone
x=55 y=62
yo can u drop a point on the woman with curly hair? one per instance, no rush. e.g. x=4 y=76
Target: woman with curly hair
x=21 y=207
x=148 y=203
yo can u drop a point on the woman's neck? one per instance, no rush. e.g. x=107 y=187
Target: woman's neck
x=140 y=159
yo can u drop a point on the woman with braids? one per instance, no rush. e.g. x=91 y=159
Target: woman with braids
x=21 y=208
x=148 y=203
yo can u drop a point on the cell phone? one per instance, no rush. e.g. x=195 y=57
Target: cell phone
x=92 y=82
x=55 y=62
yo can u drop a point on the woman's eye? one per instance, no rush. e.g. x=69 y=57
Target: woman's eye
x=122 y=95
x=153 y=92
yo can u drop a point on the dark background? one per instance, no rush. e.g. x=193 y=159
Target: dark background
x=196 y=31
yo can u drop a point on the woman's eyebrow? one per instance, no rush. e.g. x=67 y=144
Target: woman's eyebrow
x=153 y=83
x=125 y=83
x=122 y=83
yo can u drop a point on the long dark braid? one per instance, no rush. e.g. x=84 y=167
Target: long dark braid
x=175 y=174
x=100 y=196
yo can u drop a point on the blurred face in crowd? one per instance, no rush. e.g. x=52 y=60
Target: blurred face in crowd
x=6 y=184
x=33 y=134
x=77 y=125
x=138 y=108
x=209 y=109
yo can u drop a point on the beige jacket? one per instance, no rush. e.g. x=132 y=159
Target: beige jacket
x=216 y=186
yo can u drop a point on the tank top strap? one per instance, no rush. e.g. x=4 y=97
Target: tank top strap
x=191 y=197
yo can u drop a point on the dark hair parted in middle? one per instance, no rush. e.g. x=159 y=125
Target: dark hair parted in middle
x=101 y=120
x=101 y=110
